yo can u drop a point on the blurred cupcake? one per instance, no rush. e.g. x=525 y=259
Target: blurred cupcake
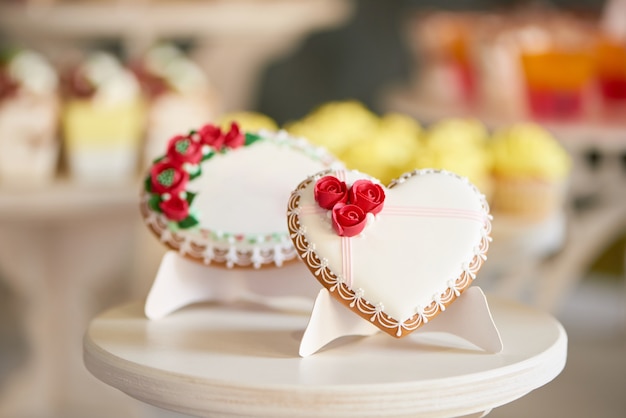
x=460 y=146
x=387 y=151
x=530 y=170
x=179 y=96
x=103 y=119
x=337 y=126
x=29 y=108
x=383 y=147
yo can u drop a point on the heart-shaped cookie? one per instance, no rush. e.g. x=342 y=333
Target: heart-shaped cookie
x=219 y=197
x=396 y=256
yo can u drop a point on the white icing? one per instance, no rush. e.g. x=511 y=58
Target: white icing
x=115 y=84
x=241 y=197
x=33 y=73
x=244 y=192
x=182 y=74
x=186 y=77
x=408 y=261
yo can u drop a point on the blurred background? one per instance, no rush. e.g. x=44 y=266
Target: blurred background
x=527 y=99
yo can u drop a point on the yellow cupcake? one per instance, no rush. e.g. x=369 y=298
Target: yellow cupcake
x=530 y=171
x=89 y=124
x=529 y=151
x=336 y=125
x=471 y=163
x=383 y=147
x=103 y=120
x=400 y=124
x=460 y=146
x=456 y=132
x=385 y=154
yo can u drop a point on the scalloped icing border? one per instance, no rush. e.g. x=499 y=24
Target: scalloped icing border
x=354 y=299
x=208 y=252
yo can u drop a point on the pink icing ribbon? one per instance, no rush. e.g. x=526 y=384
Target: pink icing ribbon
x=346 y=260
x=413 y=211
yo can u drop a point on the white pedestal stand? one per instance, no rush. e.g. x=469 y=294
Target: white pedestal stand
x=242 y=361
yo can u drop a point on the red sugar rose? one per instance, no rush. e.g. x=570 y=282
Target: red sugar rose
x=348 y=220
x=212 y=136
x=168 y=177
x=367 y=195
x=329 y=191
x=234 y=138
x=175 y=208
x=183 y=149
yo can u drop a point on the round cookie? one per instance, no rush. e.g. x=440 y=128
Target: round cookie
x=219 y=197
x=396 y=256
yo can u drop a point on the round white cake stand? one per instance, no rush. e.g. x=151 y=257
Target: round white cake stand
x=242 y=361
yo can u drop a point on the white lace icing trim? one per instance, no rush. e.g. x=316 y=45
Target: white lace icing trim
x=356 y=298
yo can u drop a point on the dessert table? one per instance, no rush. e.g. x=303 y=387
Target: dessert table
x=242 y=361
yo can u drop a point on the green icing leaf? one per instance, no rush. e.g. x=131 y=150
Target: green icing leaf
x=195 y=174
x=190 y=196
x=188 y=222
x=158 y=160
x=154 y=202
x=251 y=138
x=208 y=156
x=147 y=184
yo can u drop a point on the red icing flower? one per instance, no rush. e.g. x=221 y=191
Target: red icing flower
x=234 y=138
x=175 y=208
x=367 y=195
x=211 y=135
x=168 y=177
x=329 y=191
x=183 y=149
x=348 y=220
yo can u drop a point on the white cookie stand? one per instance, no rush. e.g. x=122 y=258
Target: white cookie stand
x=180 y=282
x=468 y=317
x=242 y=361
